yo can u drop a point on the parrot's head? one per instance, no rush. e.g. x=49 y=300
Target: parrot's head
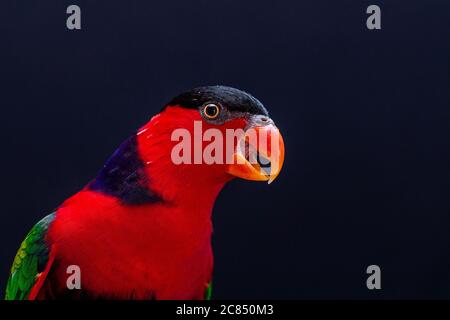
x=207 y=136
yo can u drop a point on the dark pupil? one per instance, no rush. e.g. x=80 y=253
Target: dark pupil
x=211 y=111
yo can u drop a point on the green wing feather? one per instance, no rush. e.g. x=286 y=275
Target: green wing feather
x=30 y=260
x=208 y=291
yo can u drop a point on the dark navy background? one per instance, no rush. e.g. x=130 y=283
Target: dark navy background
x=365 y=116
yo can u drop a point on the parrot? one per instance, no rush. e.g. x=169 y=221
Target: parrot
x=141 y=229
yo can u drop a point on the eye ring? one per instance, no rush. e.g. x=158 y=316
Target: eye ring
x=211 y=111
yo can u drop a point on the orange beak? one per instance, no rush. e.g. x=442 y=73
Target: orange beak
x=259 y=155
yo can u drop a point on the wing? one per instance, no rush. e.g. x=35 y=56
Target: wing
x=30 y=264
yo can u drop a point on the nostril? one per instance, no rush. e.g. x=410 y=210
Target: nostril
x=261 y=120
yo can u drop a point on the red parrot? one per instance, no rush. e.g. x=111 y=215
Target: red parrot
x=142 y=228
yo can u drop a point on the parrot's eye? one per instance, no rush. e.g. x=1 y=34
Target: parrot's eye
x=211 y=111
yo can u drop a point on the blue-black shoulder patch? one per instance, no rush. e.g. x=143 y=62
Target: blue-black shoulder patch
x=123 y=176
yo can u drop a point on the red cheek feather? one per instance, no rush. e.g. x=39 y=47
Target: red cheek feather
x=181 y=180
